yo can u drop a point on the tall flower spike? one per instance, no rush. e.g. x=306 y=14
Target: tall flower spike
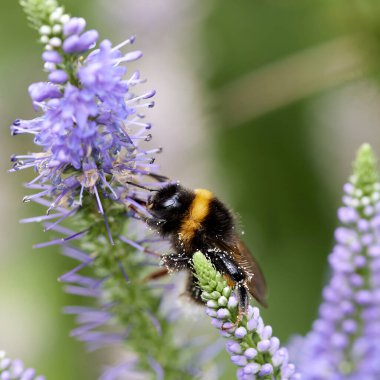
x=89 y=133
x=345 y=339
x=251 y=345
x=15 y=370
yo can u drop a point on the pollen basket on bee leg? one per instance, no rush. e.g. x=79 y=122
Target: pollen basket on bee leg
x=229 y=280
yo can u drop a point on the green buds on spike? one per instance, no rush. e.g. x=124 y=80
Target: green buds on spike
x=39 y=12
x=365 y=171
x=211 y=282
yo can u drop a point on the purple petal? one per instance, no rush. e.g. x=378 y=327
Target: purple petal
x=75 y=25
x=70 y=45
x=28 y=374
x=86 y=40
x=41 y=90
x=240 y=332
x=58 y=76
x=266 y=369
x=51 y=56
x=233 y=347
x=239 y=360
x=80 y=291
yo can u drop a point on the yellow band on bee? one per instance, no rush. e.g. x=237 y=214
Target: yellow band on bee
x=200 y=206
x=198 y=211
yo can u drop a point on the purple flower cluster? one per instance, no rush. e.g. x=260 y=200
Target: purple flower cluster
x=15 y=370
x=344 y=342
x=90 y=124
x=251 y=344
x=91 y=168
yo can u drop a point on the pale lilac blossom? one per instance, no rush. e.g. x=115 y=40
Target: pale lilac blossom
x=344 y=342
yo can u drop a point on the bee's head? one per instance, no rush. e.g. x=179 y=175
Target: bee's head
x=170 y=202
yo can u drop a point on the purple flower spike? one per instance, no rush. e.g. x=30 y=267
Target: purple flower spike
x=250 y=343
x=90 y=170
x=344 y=342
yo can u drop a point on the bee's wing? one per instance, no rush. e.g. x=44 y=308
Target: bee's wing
x=256 y=285
x=242 y=255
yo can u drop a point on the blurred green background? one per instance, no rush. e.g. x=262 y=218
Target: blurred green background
x=263 y=101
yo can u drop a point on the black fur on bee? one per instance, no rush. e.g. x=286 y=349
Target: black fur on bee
x=195 y=220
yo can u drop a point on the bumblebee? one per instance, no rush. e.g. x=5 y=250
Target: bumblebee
x=195 y=220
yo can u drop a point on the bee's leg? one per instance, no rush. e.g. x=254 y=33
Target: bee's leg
x=151 y=221
x=225 y=265
x=193 y=290
x=242 y=294
x=141 y=248
x=171 y=263
x=175 y=262
x=156 y=275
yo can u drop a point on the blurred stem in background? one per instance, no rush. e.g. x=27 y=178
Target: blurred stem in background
x=265 y=63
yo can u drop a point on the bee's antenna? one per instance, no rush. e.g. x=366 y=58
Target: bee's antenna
x=140 y=186
x=158 y=177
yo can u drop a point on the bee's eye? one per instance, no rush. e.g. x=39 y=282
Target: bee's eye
x=171 y=202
